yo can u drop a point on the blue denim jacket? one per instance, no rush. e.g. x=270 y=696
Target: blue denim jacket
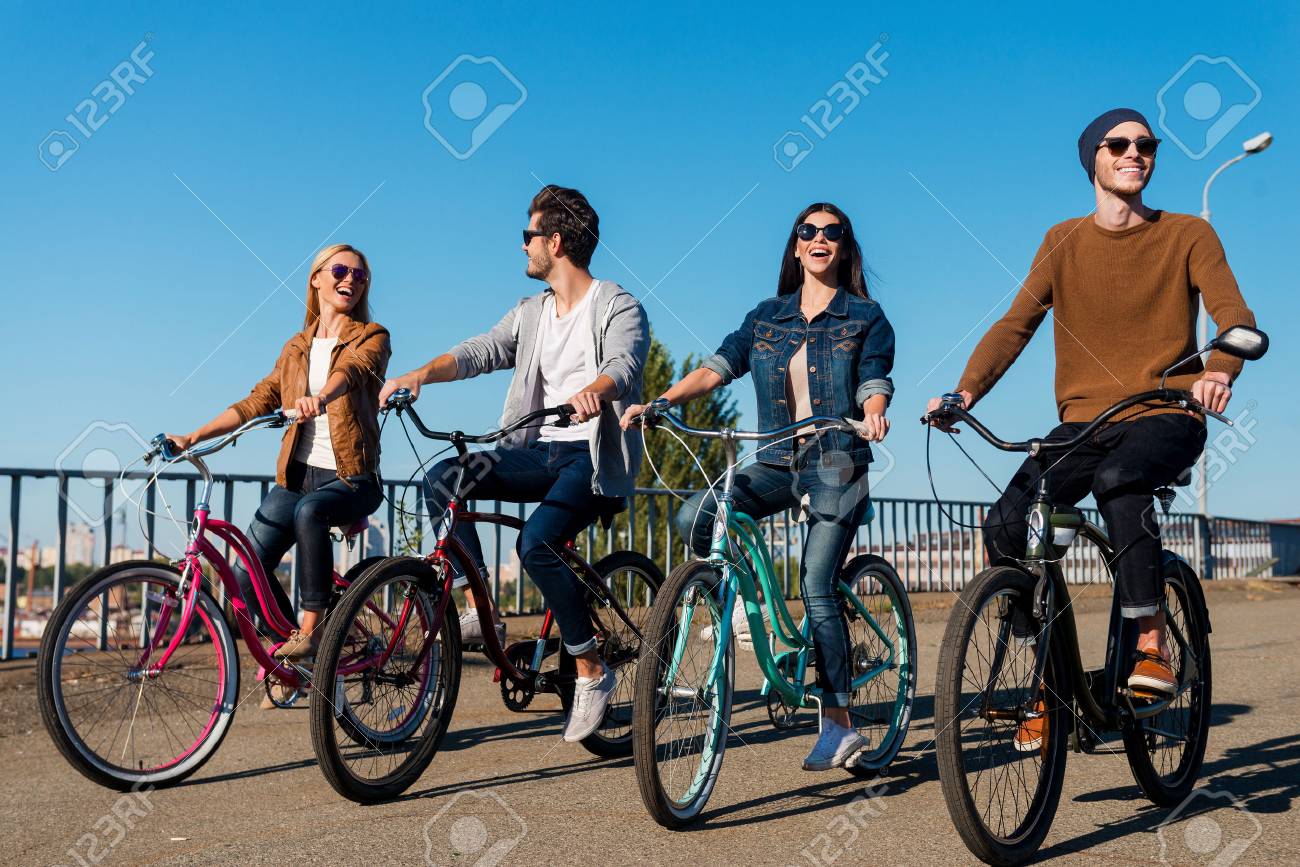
x=850 y=355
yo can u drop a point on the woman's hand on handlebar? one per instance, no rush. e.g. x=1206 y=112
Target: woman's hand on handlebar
x=308 y=406
x=938 y=419
x=631 y=415
x=874 y=427
x=1213 y=390
x=180 y=442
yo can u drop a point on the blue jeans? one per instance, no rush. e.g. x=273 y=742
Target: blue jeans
x=556 y=476
x=303 y=512
x=838 y=501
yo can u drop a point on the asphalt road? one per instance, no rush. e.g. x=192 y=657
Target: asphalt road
x=505 y=786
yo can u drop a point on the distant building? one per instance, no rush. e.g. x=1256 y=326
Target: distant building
x=80 y=544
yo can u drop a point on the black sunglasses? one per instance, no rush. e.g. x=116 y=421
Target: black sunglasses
x=359 y=275
x=1118 y=146
x=529 y=234
x=808 y=231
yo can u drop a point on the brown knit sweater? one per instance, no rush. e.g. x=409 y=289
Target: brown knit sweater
x=1125 y=310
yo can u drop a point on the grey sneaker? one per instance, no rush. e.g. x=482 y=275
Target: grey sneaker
x=834 y=747
x=471 y=630
x=739 y=627
x=590 y=700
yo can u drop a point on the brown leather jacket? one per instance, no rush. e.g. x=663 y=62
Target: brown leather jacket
x=362 y=355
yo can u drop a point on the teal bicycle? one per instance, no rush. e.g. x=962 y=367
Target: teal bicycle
x=682 y=703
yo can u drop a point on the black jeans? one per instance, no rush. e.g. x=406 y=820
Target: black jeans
x=837 y=502
x=1121 y=465
x=556 y=476
x=303 y=512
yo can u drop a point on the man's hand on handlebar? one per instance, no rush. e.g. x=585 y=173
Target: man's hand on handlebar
x=939 y=419
x=1213 y=391
x=408 y=382
x=586 y=405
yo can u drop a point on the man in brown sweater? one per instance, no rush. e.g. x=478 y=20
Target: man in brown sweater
x=1122 y=283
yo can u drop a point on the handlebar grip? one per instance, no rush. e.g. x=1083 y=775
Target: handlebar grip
x=567 y=412
x=168 y=449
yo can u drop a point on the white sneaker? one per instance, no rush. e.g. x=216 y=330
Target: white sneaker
x=834 y=747
x=590 y=700
x=739 y=627
x=471 y=631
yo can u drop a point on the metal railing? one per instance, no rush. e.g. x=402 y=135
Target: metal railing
x=934 y=547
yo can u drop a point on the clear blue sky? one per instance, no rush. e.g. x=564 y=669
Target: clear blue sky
x=121 y=281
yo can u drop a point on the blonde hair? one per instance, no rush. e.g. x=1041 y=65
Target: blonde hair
x=361 y=310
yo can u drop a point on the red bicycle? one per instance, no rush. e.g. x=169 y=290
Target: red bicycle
x=409 y=590
x=138 y=672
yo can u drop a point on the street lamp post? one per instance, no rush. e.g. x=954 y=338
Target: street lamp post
x=1249 y=147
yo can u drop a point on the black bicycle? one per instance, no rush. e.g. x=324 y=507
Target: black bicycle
x=1010 y=655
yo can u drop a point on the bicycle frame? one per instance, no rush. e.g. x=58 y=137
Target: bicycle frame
x=739 y=578
x=448 y=543
x=1102 y=710
x=198 y=549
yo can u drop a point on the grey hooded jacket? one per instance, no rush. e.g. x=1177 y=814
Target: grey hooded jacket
x=620 y=342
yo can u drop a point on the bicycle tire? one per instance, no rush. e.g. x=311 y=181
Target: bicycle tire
x=55 y=653
x=1018 y=843
x=653 y=701
x=333 y=709
x=1168 y=789
x=897 y=692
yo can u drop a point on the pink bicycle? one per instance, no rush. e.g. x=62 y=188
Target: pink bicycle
x=138 y=673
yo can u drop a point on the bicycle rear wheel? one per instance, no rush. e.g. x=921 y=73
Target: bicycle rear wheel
x=385 y=682
x=682 y=705
x=881 y=709
x=116 y=720
x=1165 y=751
x=633 y=580
x=1001 y=794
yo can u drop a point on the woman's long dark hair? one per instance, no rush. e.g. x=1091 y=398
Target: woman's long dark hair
x=852 y=271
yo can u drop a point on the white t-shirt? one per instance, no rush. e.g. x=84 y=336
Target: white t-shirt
x=314 y=446
x=562 y=355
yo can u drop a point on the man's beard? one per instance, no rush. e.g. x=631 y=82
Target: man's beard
x=539 y=269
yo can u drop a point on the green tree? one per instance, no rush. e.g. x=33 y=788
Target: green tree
x=676 y=468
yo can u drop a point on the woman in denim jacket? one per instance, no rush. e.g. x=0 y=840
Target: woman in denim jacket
x=820 y=347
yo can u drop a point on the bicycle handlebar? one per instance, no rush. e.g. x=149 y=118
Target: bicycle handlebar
x=401 y=401
x=161 y=446
x=952 y=408
x=653 y=414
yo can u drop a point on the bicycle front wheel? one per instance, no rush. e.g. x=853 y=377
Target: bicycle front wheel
x=1165 y=751
x=385 y=682
x=682 y=702
x=883 y=640
x=1001 y=736
x=114 y=716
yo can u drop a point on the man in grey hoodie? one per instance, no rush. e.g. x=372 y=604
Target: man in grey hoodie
x=583 y=342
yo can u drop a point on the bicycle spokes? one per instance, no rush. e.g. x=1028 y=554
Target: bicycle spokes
x=1003 y=719
x=126 y=712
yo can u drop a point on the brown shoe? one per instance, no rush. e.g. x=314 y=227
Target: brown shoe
x=1031 y=735
x=279 y=691
x=1153 y=676
x=298 y=647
